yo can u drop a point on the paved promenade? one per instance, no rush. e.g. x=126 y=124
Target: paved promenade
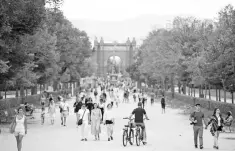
x=165 y=132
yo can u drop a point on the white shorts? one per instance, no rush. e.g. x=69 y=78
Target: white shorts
x=52 y=116
x=18 y=133
x=64 y=114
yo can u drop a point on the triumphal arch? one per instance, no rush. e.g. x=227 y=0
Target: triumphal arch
x=103 y=51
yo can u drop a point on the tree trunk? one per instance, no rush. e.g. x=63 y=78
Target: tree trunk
x=219 y=96
x=184 y=88
x=179 y=87
x=216 y=94
x=22 y=94
x=194 y=91
x=40 y=87
x=55 y=85
x=5 y=93
x=34 y=90
x=188 y=90
x=232 y=98
x=205 y=90
x=17 y=92
x=172 y=86
x=210 y=92
x=224 y=95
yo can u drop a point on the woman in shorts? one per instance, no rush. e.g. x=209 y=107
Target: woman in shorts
x=20 y=127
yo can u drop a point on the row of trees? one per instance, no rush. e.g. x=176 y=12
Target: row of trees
x=193 y=52
x=38 y=45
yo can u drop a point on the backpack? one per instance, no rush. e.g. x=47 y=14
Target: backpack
x=163 y=101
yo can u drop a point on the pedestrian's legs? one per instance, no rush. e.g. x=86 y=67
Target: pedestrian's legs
x=82 y=130
x=201 y=135
x=196 y=131
x=62 y=122
x=85 y=130
x=111 y=129
x=108 y=130
x=216 y=136
x=20 y=142
x=65 y=121
x=17 y=142
x=144 y=133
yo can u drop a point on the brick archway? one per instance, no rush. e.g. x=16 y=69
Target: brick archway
x=103 y=51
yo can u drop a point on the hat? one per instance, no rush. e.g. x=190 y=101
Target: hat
x=139 y=104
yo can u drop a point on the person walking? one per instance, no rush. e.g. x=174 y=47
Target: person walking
x=163 y=104
x=102 y=106
x=96 y=119
x=196 y=118
x=77 y=106
x=19 y=127
x=52 y=110
x=84 y=115
x=109 y=121
x=64 y=107
x=216 y=122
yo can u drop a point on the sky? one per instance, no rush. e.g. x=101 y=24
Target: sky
x=96 y=16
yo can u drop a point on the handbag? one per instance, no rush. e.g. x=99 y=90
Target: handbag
x=80 y=120
x=13 y=126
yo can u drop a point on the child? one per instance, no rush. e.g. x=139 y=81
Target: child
x=43 y=115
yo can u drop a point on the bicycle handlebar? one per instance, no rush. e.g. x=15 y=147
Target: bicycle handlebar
x=126 y=118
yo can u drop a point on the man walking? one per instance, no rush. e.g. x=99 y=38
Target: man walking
x=196 y=118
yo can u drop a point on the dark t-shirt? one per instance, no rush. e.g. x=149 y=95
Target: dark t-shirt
x=163 y=101
x=77 y=106
x=104 y=94
x=139 y=115
x=90 y=106
x=197 y=116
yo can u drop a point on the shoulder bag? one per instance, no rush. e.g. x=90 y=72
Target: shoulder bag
x=80 y=120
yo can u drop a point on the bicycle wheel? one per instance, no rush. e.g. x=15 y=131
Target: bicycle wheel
x=124 y=138
x=137 y=137
x=132 y=138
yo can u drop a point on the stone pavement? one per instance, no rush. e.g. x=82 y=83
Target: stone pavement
x=169 y=132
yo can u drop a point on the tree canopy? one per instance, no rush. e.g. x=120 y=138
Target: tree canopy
x=195 y=51
x=39 y=45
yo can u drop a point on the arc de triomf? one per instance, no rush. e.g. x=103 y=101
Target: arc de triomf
x=103 y=51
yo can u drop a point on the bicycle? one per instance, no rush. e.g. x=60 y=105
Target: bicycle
x=128 y=137
x=139 y=135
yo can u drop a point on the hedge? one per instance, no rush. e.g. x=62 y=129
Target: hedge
x=31 y=99
x=205 y=103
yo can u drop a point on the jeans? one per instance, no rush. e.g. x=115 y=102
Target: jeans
x=84 y=129
x=198 y=130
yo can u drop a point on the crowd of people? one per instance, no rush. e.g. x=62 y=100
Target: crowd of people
x=95 y=106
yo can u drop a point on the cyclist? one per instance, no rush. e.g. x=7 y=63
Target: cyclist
x=139 y=119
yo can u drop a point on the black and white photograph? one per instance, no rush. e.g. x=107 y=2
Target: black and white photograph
x=117 y=75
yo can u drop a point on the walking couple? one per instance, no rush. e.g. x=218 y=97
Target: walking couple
x=95 y=119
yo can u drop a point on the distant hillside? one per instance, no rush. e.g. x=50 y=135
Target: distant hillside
x=110 y=31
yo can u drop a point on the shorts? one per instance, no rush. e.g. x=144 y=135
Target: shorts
x=142 y=125
x=64 y=114
x=52 y=116
x=18 y=133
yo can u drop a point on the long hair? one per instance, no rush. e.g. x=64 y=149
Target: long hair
x=214 y=112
